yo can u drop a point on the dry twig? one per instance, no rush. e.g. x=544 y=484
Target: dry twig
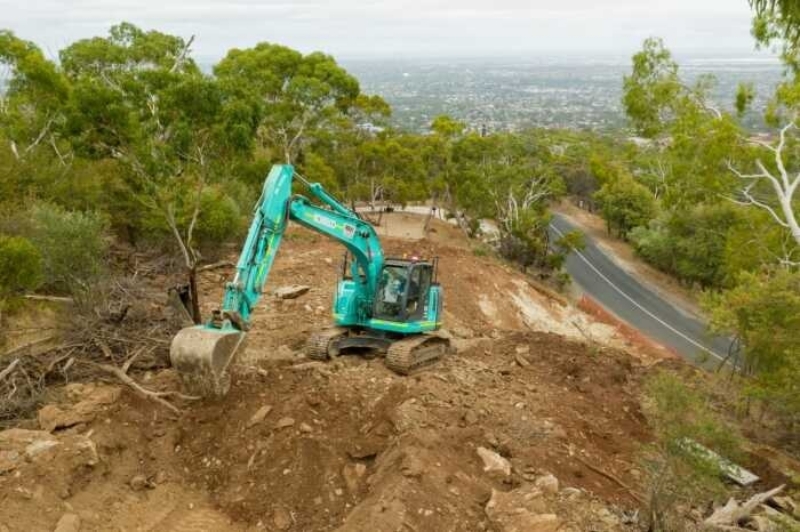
x=612 y=478
x=6 y=372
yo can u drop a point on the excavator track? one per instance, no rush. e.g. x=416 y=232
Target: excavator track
x=318 y=344
x=411 y=354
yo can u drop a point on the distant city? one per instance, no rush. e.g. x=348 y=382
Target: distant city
x=509 y=95
x=514 y=94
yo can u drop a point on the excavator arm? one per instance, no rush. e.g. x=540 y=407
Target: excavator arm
x=202 y=353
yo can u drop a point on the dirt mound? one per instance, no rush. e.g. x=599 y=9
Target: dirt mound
x=298 y=457
x=350 y=443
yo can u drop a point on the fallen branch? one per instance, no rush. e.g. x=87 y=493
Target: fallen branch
x=732 y=514
x=56 y=361
x=216 y=266
x=54 y=299
x=612 y=478
x=127 y=365
x=307 y=366
x=150 y=395
x=23 y=347
x=6 y=372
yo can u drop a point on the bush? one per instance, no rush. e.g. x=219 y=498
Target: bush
x=20 y=265
x=655 y=244
x=626 y=204
x=690 y=244
x=71 y=245
x=763 y=310
x=481 y=250
x=527 y=242
x=679 y=475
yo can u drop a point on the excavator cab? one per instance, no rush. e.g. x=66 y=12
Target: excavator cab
x=403 y=288
x=403 y=316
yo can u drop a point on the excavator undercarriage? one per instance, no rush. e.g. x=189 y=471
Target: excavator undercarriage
x=403 y=355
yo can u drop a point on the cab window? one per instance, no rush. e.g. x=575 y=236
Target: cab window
x=391 y=288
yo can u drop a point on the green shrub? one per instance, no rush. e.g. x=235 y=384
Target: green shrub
x=763 y=310
x=481 y=250
x=690 y=244
x=655 y=244
x=71 y=244
x=678 y=474
x=20 y=265
x=626 y=204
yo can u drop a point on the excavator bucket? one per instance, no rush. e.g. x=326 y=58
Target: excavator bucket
x=202 y=355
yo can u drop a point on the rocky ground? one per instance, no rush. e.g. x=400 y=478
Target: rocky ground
x=533 y=423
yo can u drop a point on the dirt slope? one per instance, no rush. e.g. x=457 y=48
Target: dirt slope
x=348 y=445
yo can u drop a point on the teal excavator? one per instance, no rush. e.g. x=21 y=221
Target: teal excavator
x=381 y=305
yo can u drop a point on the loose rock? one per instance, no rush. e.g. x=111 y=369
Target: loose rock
x=281 y=518
x=95 y=399
x=471 y=417
x=284 y=422
x=521 y=510
x=140 y=483
x=19 y=447
x=52 y=417
x=259 y=416
x=462 y=332
x=292 y=291
x=493 y=461
x=68 y=523
x=547 y=483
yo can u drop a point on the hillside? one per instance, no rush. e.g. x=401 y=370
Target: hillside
x=524 y=425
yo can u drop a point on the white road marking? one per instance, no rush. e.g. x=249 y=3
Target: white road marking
x=640 y=307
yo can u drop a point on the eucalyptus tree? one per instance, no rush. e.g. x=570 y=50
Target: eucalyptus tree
x=138 y=97
x=34 y=97
x=294 y=94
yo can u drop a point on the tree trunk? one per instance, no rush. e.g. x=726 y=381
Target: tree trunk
x=195 y=295
x=434 y=204
x=788 y=212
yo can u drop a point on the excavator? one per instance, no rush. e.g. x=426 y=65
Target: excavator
x=385 y=306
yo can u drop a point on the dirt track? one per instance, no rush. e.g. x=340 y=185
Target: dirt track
x=349 y=445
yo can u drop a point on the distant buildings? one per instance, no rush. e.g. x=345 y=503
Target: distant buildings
x=369 y=127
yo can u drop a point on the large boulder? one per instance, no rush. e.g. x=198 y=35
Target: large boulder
x=90 y=400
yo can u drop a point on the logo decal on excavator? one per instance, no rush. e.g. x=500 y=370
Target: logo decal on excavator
x=327 y=222
x=349 y=230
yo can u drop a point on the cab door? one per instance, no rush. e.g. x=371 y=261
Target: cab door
x=419 y=284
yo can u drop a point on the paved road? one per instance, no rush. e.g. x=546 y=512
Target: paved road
x=629 y=299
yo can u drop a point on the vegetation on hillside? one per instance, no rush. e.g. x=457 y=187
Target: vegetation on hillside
x=126 y=134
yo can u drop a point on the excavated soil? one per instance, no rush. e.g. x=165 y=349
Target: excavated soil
x=348 y=445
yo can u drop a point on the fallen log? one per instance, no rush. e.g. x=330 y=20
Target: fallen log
x=732 y=514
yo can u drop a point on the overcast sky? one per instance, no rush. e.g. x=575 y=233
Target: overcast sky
x=370 y=28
